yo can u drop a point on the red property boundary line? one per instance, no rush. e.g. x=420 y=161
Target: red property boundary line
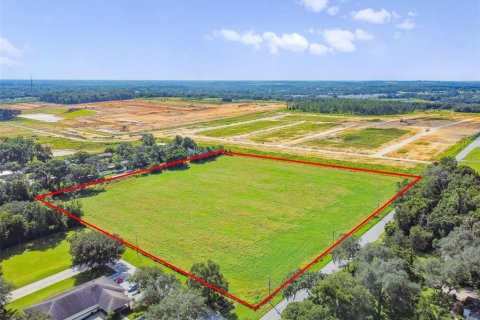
x=42 y=197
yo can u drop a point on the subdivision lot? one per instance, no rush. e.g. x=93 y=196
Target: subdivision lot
x=241 y=129
x=292 y=132
x=368 y=138
x=259 y=219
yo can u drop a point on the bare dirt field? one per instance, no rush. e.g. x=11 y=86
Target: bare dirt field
x=395 y=140
x=132 y=116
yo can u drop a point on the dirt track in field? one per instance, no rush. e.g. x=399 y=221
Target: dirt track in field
x=429 y=133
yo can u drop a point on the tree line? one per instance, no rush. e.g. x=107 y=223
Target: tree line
x=71 y=92
x=374 y=106
x=8 y=114
x=430 y=249
x=34 y=172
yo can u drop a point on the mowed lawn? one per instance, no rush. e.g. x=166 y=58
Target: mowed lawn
x=27 y=263
x=293 y=132
x=474 y=155
x=241 y=128
x=369 y=138
x=258 y=219
x=473 y=159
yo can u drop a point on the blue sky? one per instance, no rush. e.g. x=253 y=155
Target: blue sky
x=241 y=39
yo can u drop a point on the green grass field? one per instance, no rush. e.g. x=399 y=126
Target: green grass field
x=221 y=122
x=78 y=113
x=241 y=128
x=295 y=131
x=472 y=160
x=474 y=155
x=314 y=117
x=256 y=218
x=369 y=138
x=35 y=260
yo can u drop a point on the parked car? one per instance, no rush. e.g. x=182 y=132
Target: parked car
x=118 y=280
x=133 y=287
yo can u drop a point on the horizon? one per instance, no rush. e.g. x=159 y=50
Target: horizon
x=240 y=80
x=263 y=40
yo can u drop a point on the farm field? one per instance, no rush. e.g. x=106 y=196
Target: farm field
x=256 y=218
x=369 y=138
x=241 y=129
x=293 y=132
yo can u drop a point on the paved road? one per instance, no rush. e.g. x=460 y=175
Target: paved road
x=121 y=267
x=468 y=149
x=371 y=235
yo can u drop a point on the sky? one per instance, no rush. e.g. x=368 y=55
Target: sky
x=240 y=39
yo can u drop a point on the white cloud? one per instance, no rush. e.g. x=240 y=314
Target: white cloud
x=248 y=38
x=372 y=16
x=315 y=5
x=8 y=49
x=9 y=63
x=334 y=40
x=9 y=54
x=333 y=10
x=363 y=35
x=340 y=40
x=319 y=49
x=412 y=14
x=407 y=24
x=288 y=41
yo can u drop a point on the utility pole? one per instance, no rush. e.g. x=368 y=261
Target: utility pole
x=136 y=244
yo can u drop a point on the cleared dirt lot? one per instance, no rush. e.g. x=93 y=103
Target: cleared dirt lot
x=132 y=116
x=397 y=140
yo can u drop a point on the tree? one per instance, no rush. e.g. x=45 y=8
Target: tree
x=94 y=249
x=154 y=285
x=5 y=289
x=435 y=306
x=147 y=139
x=82 y=173
x=388 y=283
x=210 y=272
x=306 y=310
x=305 y=281
x=184 y=304
x=420 y=239
x=32 y=316
x=43 y=153
x=81 y=157
x=344 y=296
x=346 y=250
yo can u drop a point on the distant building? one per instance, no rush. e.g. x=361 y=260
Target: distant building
x=106 y=155
x=6 y=174
x=92 y=300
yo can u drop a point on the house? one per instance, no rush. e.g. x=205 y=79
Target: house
x=92 y=300
x=6 y=174
x=471 y=308
x=106 y=155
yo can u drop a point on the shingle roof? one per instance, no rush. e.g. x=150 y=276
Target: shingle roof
x=102 y=291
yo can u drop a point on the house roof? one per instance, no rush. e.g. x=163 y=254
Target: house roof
x=105 y=293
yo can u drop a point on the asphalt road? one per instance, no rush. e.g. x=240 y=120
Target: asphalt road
x=468 y=149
